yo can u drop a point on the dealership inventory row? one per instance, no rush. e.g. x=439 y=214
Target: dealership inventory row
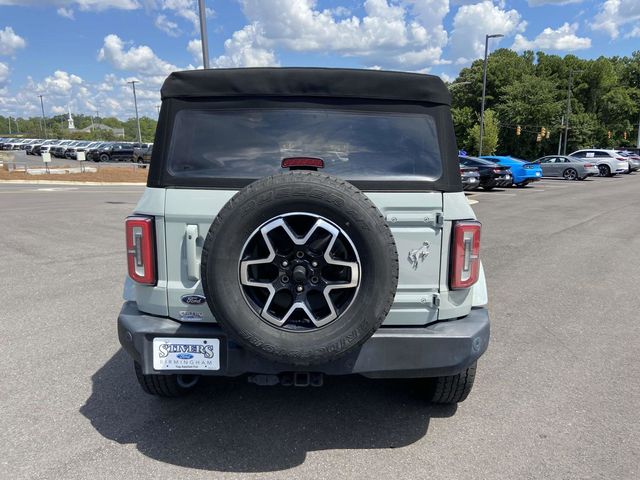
x=96 y=151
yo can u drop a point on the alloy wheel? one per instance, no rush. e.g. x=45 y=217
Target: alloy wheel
x=299 y=271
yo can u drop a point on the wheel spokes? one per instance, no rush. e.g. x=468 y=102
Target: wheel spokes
x=319 y=242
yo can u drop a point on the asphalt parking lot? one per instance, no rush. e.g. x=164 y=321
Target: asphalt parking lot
x=557 y=394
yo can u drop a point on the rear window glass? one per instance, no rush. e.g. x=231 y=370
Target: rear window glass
x=251 y=143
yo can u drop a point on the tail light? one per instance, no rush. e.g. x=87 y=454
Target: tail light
x=588 y=165
x=302 y=162
x=622 y=159
x=465 y=254
x=498 y=170
x=141 y=253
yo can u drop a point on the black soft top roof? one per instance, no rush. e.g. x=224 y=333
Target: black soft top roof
x=306 y=82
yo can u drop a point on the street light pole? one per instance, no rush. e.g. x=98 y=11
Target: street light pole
x=44 y=120
x=204 y=40
x=9 y=124
x=638 y=140
x=484 y=85
x=135 y=103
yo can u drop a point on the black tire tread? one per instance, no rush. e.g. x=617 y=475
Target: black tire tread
x=453 y=388
x=160 y=385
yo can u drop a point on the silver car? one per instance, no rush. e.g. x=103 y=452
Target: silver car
x=569 y=168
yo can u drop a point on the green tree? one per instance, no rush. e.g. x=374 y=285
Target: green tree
x=490 y=136
x=464 y=118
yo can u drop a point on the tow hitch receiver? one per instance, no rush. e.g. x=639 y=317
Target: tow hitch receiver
x=295 y=379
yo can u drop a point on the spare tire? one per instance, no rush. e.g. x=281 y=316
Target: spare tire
x=300 y=268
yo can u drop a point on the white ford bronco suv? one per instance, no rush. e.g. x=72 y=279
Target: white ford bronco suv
x=303 y=222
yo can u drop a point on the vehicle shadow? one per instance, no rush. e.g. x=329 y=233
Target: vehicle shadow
x=229 y=425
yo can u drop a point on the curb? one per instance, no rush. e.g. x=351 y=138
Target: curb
x=69 y=182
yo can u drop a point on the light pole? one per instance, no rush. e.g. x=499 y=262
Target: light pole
x=203 y=34
x=44 y=120
x=484 y=85
x=638 y=140
x=135 y=103
x=158 y=108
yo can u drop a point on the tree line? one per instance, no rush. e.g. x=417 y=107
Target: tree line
x=528 y=92
x=57 y=127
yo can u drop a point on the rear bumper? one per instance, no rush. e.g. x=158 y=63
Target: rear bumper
x=443 y=348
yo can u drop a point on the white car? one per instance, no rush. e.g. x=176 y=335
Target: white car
x=609 y=162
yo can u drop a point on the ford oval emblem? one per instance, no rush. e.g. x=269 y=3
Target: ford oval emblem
x=184 y=356
x=193 y=299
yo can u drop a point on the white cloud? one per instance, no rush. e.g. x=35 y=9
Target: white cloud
x=10 y=41
x=140 y=59
x=186 y=9
x=66 y=13
x=4 y=73
x=85 y=5
x=60 y=83
x=404 y=34
x=616 y=13
x=635 y=33
x=472 y=22
x=243 y=50
x=167 y=26
x=563 y=38
x=538 y=3
x=194 y=47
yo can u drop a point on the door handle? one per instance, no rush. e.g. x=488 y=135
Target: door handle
x=193 y=266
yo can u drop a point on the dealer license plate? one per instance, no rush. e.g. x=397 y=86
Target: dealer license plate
x=186 y=353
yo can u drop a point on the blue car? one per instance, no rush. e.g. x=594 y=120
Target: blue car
x=523 y=172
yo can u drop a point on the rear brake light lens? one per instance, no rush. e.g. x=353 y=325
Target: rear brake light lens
x=302 y=162
x=588 y=165
x=498 y=170
x=141 y=254
x=465 y=254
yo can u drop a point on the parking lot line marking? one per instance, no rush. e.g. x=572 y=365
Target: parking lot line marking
x=494 y=194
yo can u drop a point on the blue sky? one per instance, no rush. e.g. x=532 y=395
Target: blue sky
x=81 y=53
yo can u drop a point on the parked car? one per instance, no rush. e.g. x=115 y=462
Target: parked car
x=57 y=150
x=470 y=177
x=608 y=161
x=119 y=152
x=142 y=154
x=46 y=146
x=93 y=153
x=570 y=168
x=280 y=264
x=632 y=158
x=492 y=175
x=82 y=148
x=523 y=172
x=14 y=144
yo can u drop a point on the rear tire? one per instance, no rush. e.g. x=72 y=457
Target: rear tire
x=570 y=174
x=605 y=171
x=452 y=388
x=166 y=385
x=104 y=157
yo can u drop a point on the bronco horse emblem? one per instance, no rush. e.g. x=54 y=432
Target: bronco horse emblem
x=418 y=255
